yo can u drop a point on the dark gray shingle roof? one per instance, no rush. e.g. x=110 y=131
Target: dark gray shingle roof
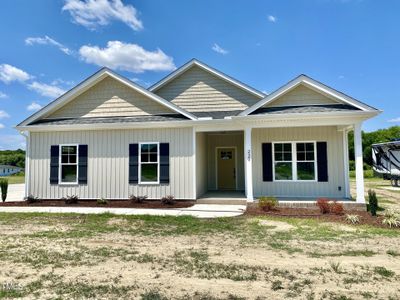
x=108 y=120
x=304 y=109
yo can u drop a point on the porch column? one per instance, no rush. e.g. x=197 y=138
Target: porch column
x=248 y=167
x=358 y=155
x=346 y=163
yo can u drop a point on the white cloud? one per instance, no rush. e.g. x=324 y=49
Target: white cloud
x=395 y=120
x=4 y=114
x=59 y=81
x=1 y=126
x=219 y=49
x=47 y=41
x=341 y=77
x=3 y=96
x=12 y=141
x=33 y=106
x=10 y=73
x=128 y=57
x=95 y=13
x=46 y=89
x=272 y=19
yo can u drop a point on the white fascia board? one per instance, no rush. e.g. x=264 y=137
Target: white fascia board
x=210 y=70
x=311 y=83
x=91 y=81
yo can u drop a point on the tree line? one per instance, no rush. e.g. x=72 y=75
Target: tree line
x=373 y=137
x=13 y=158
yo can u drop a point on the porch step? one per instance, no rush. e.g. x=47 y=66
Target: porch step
x=222 y=201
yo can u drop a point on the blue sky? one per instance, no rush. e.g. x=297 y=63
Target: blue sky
x=48 y=46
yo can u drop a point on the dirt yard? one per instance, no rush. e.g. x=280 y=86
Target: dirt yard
x=108 y=257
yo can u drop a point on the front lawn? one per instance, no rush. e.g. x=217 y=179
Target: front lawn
x=14 y=179
x=114 y=257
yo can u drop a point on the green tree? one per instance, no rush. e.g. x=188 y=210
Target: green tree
x=373 y=137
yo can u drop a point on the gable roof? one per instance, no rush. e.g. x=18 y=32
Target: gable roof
x=314 y=85
x=91 y=81
x=203 y=66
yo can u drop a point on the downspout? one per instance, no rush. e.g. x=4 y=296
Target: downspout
x=26 y=134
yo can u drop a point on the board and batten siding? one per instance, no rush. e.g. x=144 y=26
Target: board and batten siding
x=110 y=98
x=197 y=90
x=108 y=163
x=334 y=139
x=201 y=164
x=301 y=95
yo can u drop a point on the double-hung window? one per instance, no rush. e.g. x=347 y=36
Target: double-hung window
x=149 y=165
x=68 y=164
x=295 y=161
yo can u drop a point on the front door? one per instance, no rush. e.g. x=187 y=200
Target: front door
x=226 y=169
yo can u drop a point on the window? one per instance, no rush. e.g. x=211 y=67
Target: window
x=149 y=163
x=294 y=161
x=68 y=164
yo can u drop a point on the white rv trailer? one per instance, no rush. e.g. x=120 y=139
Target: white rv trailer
x=386 y=160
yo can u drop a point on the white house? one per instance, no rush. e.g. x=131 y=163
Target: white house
x=7 y=170
x=196 y=130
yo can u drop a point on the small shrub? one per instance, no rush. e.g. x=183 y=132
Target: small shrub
x=323 y=205
x=277 y=285
x=137 y=199
x=168 y=200
x=373 y=202
x=102 y=201
x=353 y=219
x=31 y=199
x=71 y=199
x=267 y=203
x=336 y=208
x=391 y=218
x=4 y=188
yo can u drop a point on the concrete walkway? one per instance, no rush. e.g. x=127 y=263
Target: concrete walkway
x=16 y=192
x=197 y=210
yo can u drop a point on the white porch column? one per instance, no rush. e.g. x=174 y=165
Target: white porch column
x=358 y=154
x=346 y=163
x=248 y=167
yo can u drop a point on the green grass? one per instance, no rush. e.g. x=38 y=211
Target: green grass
x=14 y=179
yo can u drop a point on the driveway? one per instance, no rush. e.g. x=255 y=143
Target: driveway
x=16 y=192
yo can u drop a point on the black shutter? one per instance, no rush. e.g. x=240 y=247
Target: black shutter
x=133 y=163
x=54 y=160
x=164 y=163
x=267 y=161
x=82 y=164
x=322 y=161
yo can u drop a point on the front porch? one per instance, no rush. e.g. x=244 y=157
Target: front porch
x=230 y=164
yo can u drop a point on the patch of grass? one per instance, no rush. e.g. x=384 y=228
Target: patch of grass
x=277 y=285
x=384 y=272
x=15 y=179
x=365 y=252
x=152 y=295
x=335 y=266
x=393 y=253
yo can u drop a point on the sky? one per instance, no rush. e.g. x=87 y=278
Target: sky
x=49 y=46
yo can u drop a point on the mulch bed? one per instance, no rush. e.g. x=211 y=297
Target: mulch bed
x=365 y=217
x=111 y=204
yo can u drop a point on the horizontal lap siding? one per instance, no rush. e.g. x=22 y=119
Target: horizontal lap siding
x=108 y=163
x=110 y=98
x=198 y=90
x=334 y=140
x=301 y=95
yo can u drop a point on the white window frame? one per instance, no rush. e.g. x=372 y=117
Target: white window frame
x=60 y=164
x=295 y=161
x=140 y=163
